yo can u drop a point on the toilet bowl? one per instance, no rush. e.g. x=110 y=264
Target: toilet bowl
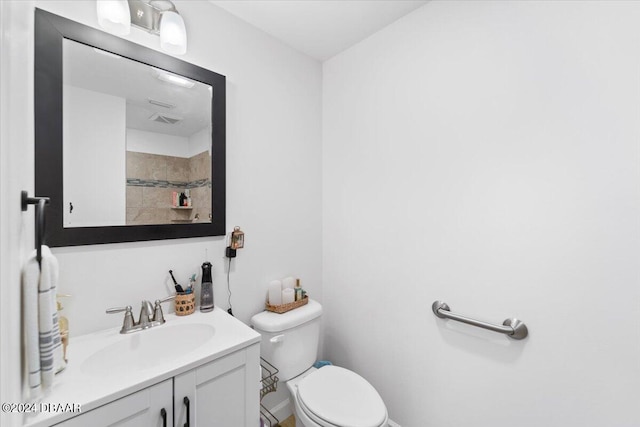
x=330 y=396
x=336 y=397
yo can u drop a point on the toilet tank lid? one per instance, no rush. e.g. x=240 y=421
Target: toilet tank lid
x=268 y=321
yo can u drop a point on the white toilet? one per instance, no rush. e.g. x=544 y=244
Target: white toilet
x=327 y=397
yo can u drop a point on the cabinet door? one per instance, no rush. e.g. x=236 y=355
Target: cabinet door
x=140 y=409
x=222 y=393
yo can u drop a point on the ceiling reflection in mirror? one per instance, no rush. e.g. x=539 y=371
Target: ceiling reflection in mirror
x=137 y=142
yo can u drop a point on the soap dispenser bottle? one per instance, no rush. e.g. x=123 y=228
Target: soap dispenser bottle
x=206 y=294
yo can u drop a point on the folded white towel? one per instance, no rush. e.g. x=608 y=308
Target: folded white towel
x=42 y=333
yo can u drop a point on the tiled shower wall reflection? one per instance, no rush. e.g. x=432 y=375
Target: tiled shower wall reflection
x=152 y=179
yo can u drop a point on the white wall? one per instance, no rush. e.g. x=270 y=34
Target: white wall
x=142 y=141
x=273 y=179
x=486 y=154
x=200 y=141
x=93 y=166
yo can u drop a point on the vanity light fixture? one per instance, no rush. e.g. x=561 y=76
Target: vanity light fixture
x=173 y=34
x=114 y=16
x=158 y=17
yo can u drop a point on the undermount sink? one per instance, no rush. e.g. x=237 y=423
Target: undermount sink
x=148 y=348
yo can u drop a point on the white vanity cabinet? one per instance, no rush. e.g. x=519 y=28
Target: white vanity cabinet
x=143 y=408
x=224 y=393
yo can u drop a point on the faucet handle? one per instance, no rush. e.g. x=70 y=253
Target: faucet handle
x=128 y=323
x=113 y=310
x=158 y=315
x=165 y=299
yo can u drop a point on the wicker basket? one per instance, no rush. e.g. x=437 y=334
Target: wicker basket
x=287 y=307
x=185 y=303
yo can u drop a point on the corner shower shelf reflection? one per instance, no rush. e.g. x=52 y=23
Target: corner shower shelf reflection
x=269 y=383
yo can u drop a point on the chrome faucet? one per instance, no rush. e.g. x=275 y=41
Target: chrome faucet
x=150 y=316
x=146 y=315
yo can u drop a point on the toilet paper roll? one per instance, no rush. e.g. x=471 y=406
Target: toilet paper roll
x=288 y=282
x=288 y=295
x=275 y=292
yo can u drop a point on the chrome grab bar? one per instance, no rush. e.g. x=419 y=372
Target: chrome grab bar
x=512 y=327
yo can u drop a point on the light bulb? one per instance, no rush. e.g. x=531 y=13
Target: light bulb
x=173 y=34
x=113 y=16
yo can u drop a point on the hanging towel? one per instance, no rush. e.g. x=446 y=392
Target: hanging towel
x=50 y=341
x=42 y=333
x=30 y=281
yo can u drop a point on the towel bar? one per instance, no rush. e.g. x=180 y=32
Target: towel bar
x=40 y=203
x=512 y=327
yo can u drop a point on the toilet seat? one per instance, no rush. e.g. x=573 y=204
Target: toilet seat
x=337 y=397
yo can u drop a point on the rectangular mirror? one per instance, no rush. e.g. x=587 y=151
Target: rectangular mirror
x=137 y=142
x=130 y=142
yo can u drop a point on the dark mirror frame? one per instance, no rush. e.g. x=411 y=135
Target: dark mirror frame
x=50 y=31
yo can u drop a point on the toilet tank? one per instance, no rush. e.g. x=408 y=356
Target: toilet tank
x=290 y=340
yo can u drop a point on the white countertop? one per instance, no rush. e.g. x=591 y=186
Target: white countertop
x=91 y=390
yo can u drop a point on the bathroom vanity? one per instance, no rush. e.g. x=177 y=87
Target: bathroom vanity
x=196 y=370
